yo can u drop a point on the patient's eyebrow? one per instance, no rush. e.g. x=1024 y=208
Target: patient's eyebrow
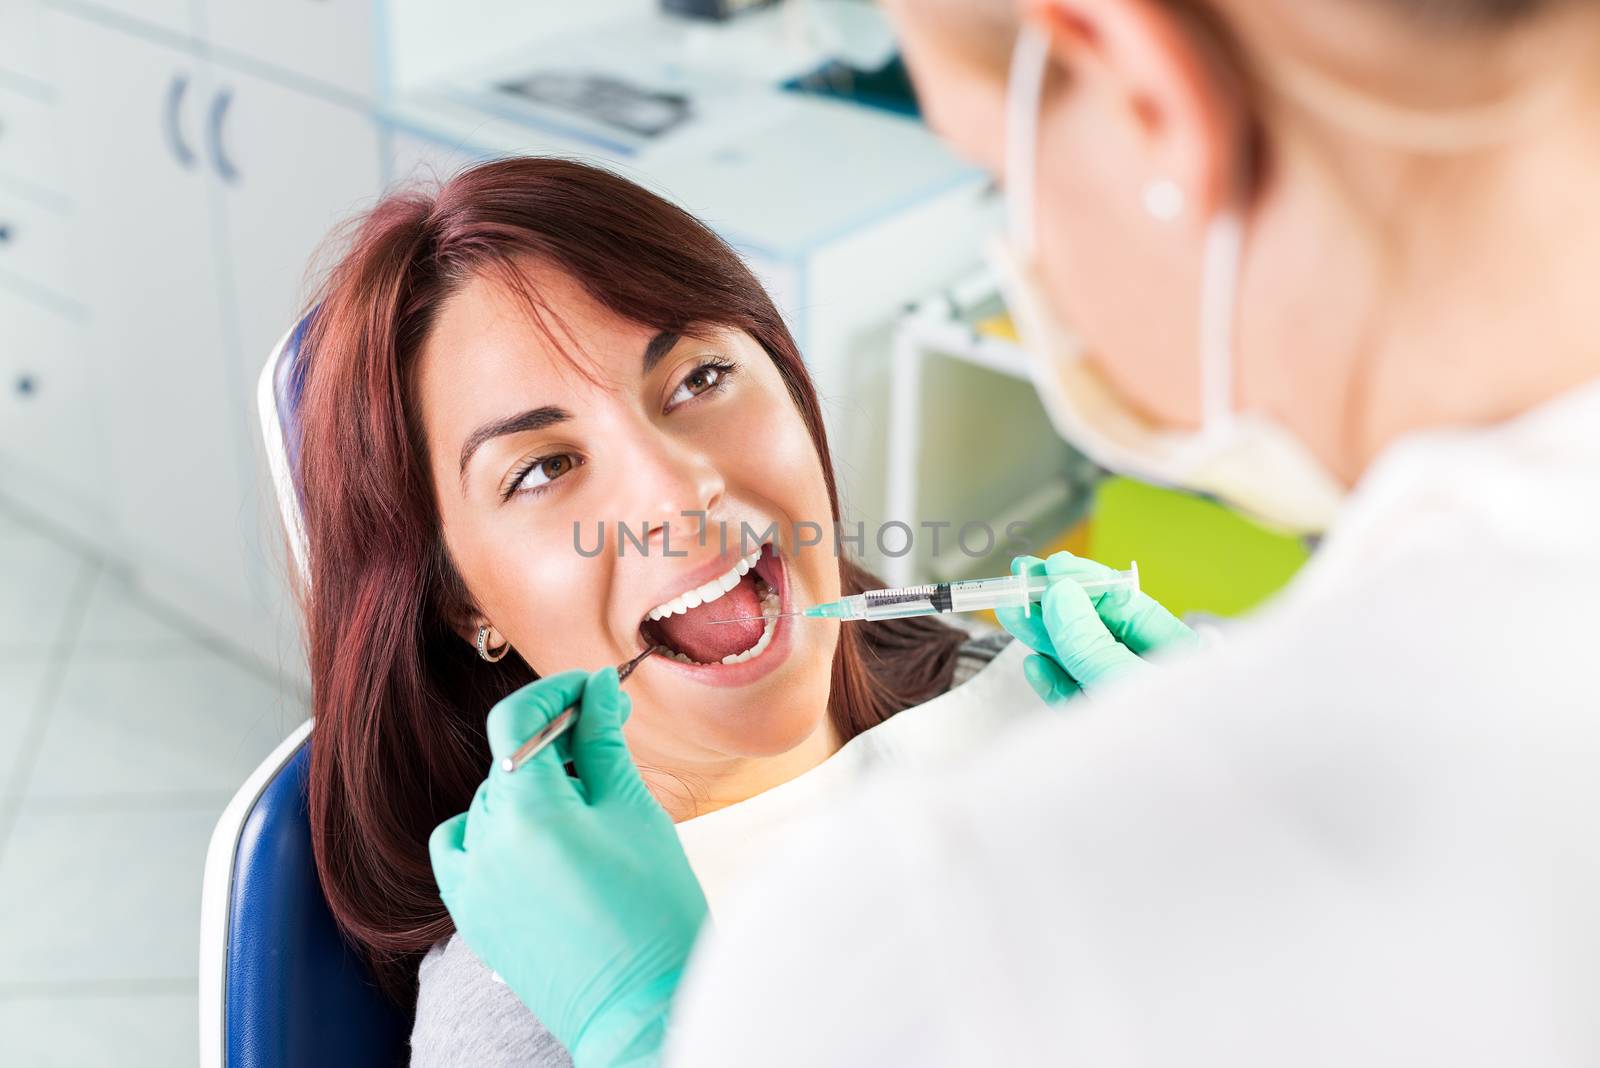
x=532 y=419
x=659 y=346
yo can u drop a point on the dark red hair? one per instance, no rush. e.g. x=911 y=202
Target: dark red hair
x=400 y=699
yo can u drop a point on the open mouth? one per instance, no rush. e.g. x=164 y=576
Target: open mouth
x=693 y=625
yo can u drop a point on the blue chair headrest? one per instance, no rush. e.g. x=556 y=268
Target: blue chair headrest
x=297 y=994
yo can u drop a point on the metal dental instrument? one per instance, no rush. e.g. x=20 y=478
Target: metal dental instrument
x=562 y=723
x=969 y=595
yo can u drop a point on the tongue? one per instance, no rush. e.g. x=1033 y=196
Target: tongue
x=694 y=634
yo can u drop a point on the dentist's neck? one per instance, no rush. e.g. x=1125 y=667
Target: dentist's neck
x=1510 y=317
x=1467 y=297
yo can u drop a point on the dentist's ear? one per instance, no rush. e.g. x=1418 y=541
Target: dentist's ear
x=1167 y=71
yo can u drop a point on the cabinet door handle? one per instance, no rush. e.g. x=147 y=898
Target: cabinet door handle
x=219 y=152
x=170 y=124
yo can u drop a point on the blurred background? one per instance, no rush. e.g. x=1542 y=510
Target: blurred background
x=168 y=171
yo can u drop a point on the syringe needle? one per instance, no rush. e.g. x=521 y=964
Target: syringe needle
x=741 y=619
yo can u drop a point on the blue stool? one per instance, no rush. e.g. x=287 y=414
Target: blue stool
x=279 y=985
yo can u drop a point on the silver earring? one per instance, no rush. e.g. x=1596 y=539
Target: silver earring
x=483 y=647
x=1163 y=199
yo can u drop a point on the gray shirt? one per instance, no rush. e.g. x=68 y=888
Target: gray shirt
x=468 y=1018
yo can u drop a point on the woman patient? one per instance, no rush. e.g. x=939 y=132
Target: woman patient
x=503 y=372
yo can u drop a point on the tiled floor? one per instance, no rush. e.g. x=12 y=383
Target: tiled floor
x=123 y=733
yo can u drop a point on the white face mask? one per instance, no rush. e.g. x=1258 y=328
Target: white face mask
x=1245 y=459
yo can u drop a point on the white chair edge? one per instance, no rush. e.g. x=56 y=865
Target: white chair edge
x=278 y=456
x=216 y=894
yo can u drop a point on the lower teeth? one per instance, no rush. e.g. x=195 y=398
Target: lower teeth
x=769 y=608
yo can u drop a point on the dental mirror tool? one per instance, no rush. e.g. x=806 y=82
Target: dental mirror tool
x=967 y=595
x=562 y=723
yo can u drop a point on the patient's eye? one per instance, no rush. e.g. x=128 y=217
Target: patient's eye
x=536 y=475
x=709 y=377
x=702 y=379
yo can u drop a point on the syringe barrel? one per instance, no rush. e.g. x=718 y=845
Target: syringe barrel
x=928 y=600
x=970 y=595
x=1118 y=580
x=977 y=595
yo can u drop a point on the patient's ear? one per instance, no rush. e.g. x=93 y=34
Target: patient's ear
x=466 y=621
x=493 y=639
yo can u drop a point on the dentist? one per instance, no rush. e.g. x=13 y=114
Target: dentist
x=1336 y=262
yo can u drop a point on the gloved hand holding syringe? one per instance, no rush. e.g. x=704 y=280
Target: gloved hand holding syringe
x=967 y=595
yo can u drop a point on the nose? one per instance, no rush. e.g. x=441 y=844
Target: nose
x=678 y=486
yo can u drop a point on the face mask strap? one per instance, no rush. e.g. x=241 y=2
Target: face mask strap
x=1024 y=88
x=1407 y=129
x=1224 y=237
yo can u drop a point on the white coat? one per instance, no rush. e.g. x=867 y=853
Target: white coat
x=1364 y=831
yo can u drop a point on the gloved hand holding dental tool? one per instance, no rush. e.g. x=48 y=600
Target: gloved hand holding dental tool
x=574 y=889
x=1089 y=631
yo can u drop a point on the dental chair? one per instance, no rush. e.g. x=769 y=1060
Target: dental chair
x=279 y=985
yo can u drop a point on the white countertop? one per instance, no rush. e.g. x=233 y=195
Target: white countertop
x=776 y=172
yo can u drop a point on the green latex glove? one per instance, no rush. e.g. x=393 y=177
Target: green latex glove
x=574 y=889
x=1083 y=642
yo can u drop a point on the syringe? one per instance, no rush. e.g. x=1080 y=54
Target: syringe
x=968 y=595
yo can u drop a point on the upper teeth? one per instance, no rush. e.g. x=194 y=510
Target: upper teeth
x=709 y=592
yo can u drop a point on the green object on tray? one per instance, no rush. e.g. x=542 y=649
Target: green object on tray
x=1194 y=555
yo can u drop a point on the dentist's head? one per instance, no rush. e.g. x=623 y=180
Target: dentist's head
x=1253 y=242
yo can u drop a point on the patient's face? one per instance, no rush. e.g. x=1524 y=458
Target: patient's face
x=667 y=426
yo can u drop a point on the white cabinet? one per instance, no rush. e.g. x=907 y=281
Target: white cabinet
x=176 y=16
x=50 y=444
x=24 y=63
x=296 y=167
x=201 y=192
x=150 y=268
x=34 y=242
x=51 y=452
x=29 y=153
x=331 y=42
x=30 y=156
